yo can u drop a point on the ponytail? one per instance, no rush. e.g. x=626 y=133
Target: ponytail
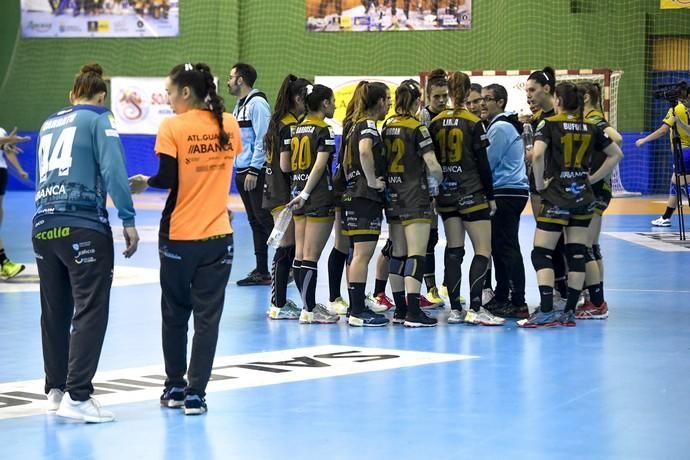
x=291 y=87
x=458 y=87
x=405 y=96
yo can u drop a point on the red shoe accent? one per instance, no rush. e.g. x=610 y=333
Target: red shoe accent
x=383 y=299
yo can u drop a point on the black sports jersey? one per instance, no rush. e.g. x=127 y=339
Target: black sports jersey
x=596 y=117
x=406 y=140
x=356 y=182
x=277 y=185
x=311 y=136
x=460 y=144
x=570 y=146
x=537 y=117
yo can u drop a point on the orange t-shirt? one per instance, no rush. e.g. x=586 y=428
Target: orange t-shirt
x=196 y=207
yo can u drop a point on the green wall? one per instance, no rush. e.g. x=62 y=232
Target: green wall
x=270 y=34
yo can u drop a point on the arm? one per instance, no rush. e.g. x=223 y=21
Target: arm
x=498 y=145
x=314 y=177
x=366 y=158
x=432 y=166
x=261 y=116
x=614 y=154
x=538 y=152
x=662 y=131
x=614 y=135
x=285 y=165
x=165 y=178
x=485 y=173
x=11 y=155
x=12 y=138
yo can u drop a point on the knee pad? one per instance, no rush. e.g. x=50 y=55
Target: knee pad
x=414 y=267
x=576 y=254
x=454 y=253
x=589 y=256
x=596 y=250
x=542 y=258
x=387 y=249
x=396 y=266
x=433 y=240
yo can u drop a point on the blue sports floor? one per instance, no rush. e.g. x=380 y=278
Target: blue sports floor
x=614 y=389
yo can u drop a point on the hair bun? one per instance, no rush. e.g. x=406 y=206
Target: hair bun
x=92 y=68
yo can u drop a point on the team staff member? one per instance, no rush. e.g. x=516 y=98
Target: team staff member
x=364 y=169
x=8 y=152
x=253 y=114
x=289 y=109
x=80 y=159
x=312 y=149
x=507 y=160
x=196 y=148
x=563 y=149
x=409 y=151
x=465 y=200
x=596 y=307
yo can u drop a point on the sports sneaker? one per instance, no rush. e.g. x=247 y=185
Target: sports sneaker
x=320 y=315
x=172 y=397
x=457 y=316
x=661 y=222
x=567 y=318
x=399 y=316
x=194 y=405
x=419 y=319
x=483 y=317
x=55 y=396
x=89 y=411
x=431 y=299
x=591 y=311
x=558 y=301
x=254 y=278
x=540 y=319
x=289 y=311
x=443 y=293
x=508 y=310
x=10 y=269
x=367 y=319
x=487 y=295
x=338 y=306
x=378 y=303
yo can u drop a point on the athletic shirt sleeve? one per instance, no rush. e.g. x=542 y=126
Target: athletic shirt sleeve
x=285 y=136
x=165 y=139
x=111 y=162
x=542 y=133
x=423 y=140
x=601 y=139
x=325 y=141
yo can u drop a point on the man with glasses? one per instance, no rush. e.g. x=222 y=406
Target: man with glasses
x=507 y=161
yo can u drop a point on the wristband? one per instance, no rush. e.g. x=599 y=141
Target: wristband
x=304 y=195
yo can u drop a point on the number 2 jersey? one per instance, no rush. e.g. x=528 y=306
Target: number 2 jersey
x=571 y=145
x=79 y=161
x=312 y=136
x=406 y=140
x=277 y=183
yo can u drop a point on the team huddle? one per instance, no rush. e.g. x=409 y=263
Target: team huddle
x=469 y=163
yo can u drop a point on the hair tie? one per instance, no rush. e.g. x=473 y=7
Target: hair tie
x=310 y=89
x=546 y=76
x=188 y=66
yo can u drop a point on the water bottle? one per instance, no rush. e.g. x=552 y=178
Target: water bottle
x=528 y=135
x=432 y=185
x=280 y=227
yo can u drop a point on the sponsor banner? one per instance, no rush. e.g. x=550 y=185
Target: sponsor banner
x=21 y=399
x=379 y=16
x=344 y=87
x=139 y=104
x=674 y=4
x=106 y=19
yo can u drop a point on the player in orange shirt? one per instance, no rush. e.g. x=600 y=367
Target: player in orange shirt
x=196 y=148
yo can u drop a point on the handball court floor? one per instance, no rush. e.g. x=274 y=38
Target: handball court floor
x=614 y=389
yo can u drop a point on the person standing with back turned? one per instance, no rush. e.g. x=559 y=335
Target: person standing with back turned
x=79 y=160
x=253 y=114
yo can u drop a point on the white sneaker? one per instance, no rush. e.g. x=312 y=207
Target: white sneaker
x=487 y=295
x=338 y=306
x=54 y=398
x=457 y=316
x=558 y=301
x=89 y=411
x=661 y=222
x=483 y=317
x=320 y=315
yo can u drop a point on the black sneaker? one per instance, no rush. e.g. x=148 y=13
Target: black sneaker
x=194 y=405
x=173 y=397
x=419 y=319
x=254 y=278
x=399 y=316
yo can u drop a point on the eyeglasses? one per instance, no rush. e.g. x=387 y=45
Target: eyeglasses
x=489 y=98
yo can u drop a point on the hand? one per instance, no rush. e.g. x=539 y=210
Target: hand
x=379 y=184
x=131 y=241
x=12 y=137
x=24 y=175
x=492 y=207
x=12 y=148
x=296 y=203
x=138 y=183
x=250 y=182
x=525 y=118
x=639 y=142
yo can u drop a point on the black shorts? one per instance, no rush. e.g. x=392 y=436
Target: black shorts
x=361 y=219
x=409 y=216
x=552 y=218
x=320 y=214
x=3 y=181
x=602 y=197
x=470 y=208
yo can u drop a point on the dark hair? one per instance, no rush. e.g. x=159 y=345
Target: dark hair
x=405 y=95
x=594 y=91
x=572 y=100
x=476 y=87
x=291 y=87
x=546 y=76
x=458 y=87
x=499 y=93
x=436 y=77
x=89 y=82
x=316 y=94
x=247 y=72
x=354 y=106
x=199 y=79
x=369 y=94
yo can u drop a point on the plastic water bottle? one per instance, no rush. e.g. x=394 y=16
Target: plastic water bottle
x=280 y=227
x=433 y=185
x=528 y=135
